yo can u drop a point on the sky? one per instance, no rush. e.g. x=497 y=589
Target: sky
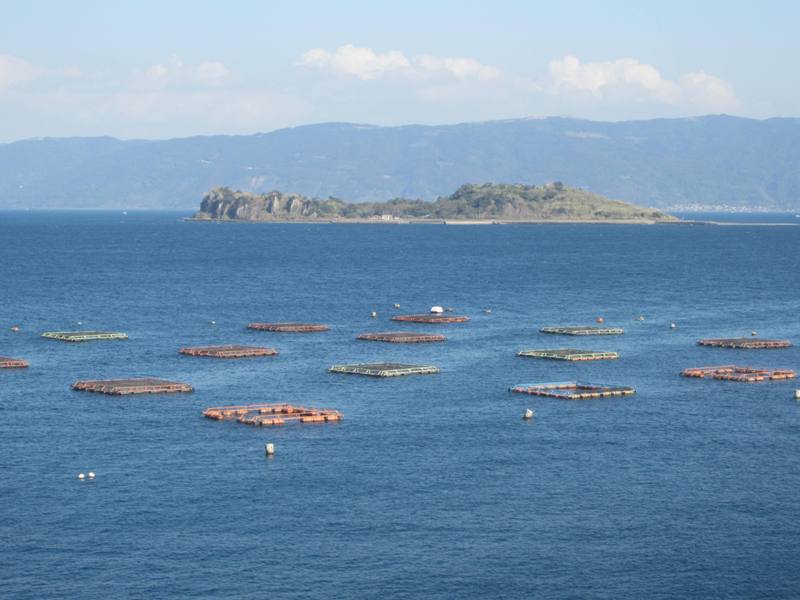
x=176 y=68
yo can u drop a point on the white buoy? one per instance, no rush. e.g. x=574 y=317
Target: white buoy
x=487 y=311
x=797 y=394
x=15 y=328
x=269 y=449
x=213 y=322
x=672 y=326
x=373 y=314
x=81 y=476
x=529 y=414
x=396 y=305
x=754 y=333
x=640 y=318
x=80 y=322
x=437 y=310
x=91 y=474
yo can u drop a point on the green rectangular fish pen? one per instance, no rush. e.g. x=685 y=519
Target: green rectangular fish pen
x=84 y=336
x=402 y=337
x=572 y=390
x=569 y=354
x=383 y=369
x=431 y=318
x=578 y=330
x=289 y=327
x=747 y=343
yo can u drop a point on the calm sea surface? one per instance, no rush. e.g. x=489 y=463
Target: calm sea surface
x=432 y=486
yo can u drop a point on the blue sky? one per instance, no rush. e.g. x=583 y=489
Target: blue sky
x=167 y=69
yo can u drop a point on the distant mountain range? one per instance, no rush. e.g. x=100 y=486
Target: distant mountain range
x=702 y=162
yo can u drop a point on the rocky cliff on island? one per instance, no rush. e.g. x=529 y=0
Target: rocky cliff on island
x=472 y=202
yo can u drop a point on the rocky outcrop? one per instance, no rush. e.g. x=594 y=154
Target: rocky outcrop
x=223 y=203
x=488 y=201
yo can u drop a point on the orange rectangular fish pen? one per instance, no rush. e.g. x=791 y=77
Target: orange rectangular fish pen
x=12 y=363
x=289 y=327
x=749 y=343
x=124 y=387
x=741 y=374
x=572 y=390
x=402 y=337
x=228 y=351
x=431 y=318
x=272 y=414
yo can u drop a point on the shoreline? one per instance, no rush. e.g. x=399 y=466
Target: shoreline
x=487 y=222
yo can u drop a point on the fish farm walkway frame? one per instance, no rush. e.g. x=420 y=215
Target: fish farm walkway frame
x=289 y=327
x=569 y=354
x=577 y=330
x=124 y=387
x=12 y=363
x=383 y=369
x=741 y=374
x=228 y=351
x=431 y=318
x=84 y=336
x=402 y=337
x=748 y=343
x=572 y=390
x=272 y=414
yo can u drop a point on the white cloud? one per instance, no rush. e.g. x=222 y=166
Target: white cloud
x=363 y=63
x=629 y=77
x=703 y=89
x=461 y=68
x=15 y=70
x=367 y=64
x=171 y=97
x=175 y=73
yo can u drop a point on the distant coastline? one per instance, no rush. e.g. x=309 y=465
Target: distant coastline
x=465 y=222
x=357 y=221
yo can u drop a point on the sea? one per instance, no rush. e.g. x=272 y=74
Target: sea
x=432 y=486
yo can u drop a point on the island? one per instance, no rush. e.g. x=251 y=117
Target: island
x=471 y=203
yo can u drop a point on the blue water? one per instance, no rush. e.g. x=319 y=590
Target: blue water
x=790 y=218
x=432 y=486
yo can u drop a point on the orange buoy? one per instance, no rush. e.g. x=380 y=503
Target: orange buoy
x=600 y=320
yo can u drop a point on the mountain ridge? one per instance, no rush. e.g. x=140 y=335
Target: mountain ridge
x=707 y=161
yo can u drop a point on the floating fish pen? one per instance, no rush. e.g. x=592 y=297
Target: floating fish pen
x=572 y=390
x=12 y=363
x=402 y=337
x=124 y=387
x=569 y=354
x=289 y=327
x=84 y=336
x=272 y=414
x=748 y=343
x=583 y=330
x=384 y=369
x=742 y=374
x=431 y=318
x=228 y=351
